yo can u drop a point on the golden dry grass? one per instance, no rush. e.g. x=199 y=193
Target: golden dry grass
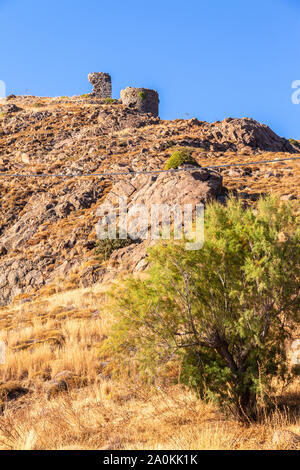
x=53 y=334
x=110 y=415
x=284 y=179
x=104 y=414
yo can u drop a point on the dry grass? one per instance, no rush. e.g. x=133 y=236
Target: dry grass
x=53 y=334
x=112 y=415
x=280 y=178
x=104 y=414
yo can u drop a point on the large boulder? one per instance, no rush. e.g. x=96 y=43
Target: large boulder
x=10 y=108
x=193 y=188
x=64 y=381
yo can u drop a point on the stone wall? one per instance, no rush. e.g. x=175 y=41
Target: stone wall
x=102 y=84
x=143 y=99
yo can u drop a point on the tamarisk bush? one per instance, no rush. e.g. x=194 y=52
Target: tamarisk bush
x=225 y=311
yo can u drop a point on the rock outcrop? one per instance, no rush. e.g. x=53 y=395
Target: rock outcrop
x=62 y=382
x=246 y=135
x=147 y=193
x=10 y=108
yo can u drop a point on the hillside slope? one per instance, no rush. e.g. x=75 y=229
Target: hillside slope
x=47 y=224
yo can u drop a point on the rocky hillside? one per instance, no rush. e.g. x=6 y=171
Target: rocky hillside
x=47 y=223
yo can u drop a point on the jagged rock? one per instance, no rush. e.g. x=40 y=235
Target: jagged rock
x=62 y=382
x=10 y=108
x=120 y=189
x=17 y=276
x=246 y=134
x=193 y=187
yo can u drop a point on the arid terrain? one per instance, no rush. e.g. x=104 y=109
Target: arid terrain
x=53 y=393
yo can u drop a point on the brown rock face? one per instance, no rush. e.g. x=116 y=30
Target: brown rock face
x=167 y=189
x=246 y=134
x=191 y=187
x=10 y=108
x=23 y=271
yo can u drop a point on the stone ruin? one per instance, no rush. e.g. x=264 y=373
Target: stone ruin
x=102 y=84
x=142 y=99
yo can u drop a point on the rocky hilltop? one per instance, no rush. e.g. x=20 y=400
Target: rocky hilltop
x=47 y=223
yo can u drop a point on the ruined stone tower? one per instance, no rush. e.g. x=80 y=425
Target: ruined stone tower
x=143 y=99
x=102 y=84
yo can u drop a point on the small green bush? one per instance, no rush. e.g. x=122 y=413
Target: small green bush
x=104 y=248
x=110 y=100
x=142 y=95
x=180 y=157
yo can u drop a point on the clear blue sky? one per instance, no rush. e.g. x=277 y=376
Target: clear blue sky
x=209 y=59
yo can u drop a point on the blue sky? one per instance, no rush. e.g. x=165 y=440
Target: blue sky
x=208 y=59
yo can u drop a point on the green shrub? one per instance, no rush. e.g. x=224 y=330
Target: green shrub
x=180 y=157
x=142 y=95
x=104 y=248
x=224 y=311
x=110 y=100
